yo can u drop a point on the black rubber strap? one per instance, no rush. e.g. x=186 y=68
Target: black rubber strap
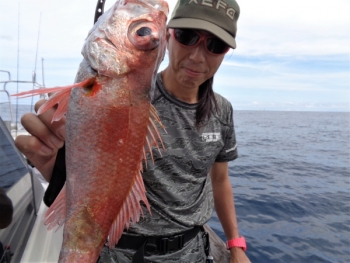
x=139 y=256
x=206 y=241
x=58 y=178
x=99 y=9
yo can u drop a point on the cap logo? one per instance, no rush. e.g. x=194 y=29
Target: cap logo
x=216 y=4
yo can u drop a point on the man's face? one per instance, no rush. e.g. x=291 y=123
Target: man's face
x=192 y=65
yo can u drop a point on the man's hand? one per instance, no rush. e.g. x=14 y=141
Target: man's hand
x=46 y=138
x=238 y=256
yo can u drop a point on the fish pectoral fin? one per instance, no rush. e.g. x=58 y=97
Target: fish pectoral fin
x=60 y=97
x=130 y=211
x=153 y=135
x=56 y=214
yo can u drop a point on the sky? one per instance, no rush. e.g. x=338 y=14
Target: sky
x=290 y=55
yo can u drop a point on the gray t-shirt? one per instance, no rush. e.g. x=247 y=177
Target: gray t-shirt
x=178 y=184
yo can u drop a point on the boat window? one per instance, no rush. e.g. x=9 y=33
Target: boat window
x=12 y=164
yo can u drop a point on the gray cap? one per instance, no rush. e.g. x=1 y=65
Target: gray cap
x=218 y=17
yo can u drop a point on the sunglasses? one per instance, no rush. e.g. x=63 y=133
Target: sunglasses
x=190 y=38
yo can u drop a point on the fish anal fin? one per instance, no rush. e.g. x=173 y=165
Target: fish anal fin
x=55 y=216
x=130 y=211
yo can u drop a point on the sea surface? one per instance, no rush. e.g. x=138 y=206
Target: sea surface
x=291 y=185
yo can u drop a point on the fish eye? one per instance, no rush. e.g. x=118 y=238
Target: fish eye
x=144 y=35
x=144 y=31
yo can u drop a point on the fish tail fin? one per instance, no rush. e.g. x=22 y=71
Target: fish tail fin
x=55 y=216
x=60 y=97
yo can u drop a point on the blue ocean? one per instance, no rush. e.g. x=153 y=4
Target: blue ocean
x=291 y=184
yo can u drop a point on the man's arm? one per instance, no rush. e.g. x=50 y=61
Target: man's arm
x=225 y=208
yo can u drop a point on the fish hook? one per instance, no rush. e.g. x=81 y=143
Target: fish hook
x=99 y=9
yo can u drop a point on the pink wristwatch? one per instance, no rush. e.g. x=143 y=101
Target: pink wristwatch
x=236 y=242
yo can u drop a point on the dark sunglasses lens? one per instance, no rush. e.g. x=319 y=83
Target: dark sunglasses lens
x=216 y=45
x=186 y=37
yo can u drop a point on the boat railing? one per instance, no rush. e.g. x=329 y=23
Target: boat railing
x=12 y=124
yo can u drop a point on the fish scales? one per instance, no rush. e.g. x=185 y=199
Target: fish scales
x=110 y=153
x=108 y=119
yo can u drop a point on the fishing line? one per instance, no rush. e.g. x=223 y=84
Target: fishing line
x=42 y=96
x=16 y=121
x=36 y=58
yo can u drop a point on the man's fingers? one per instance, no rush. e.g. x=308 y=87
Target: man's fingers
x=45 y=140
x=30 y=146
x=36 y=127
x=38 y=104
x=57 y=127
x=41 y=156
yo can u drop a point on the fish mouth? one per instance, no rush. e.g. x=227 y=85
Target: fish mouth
x=108 y=42
x=102 y=65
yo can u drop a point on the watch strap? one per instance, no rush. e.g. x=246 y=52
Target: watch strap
x=236 y=242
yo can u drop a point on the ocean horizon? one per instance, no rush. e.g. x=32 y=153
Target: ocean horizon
x=5 y=112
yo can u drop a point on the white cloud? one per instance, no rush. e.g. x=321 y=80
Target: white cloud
x=312 y=27
x=270 y=27
x=267 y=30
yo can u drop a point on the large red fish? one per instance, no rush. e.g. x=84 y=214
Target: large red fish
x=109 y=129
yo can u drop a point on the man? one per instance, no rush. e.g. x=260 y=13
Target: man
x=192 y=174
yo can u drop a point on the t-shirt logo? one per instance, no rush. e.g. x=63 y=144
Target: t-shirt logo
x=211 y=136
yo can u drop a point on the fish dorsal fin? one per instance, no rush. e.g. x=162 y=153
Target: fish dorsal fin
x=153 y=135
x=130 y=211
x=60 y=97
x=56 y=214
